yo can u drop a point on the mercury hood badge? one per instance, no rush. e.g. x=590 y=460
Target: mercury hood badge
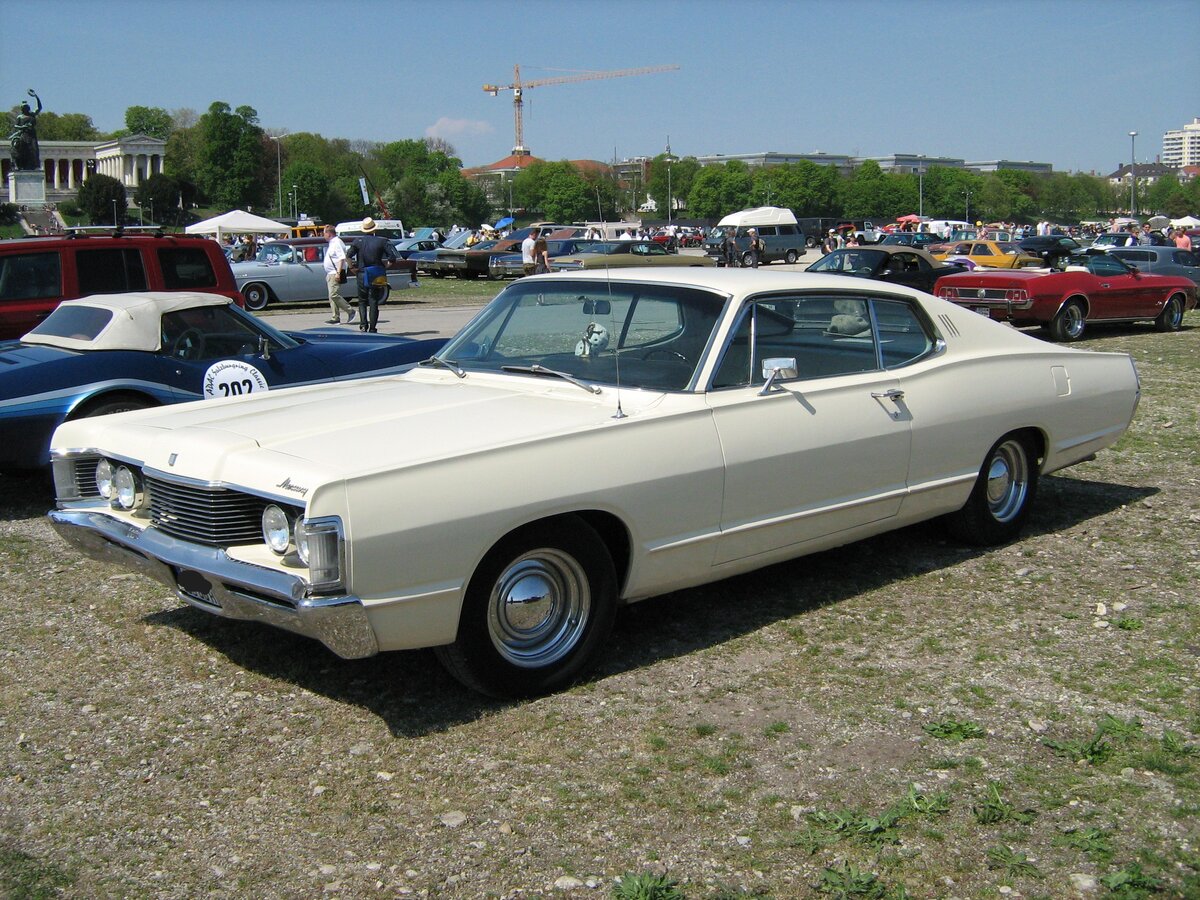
x=287 y=485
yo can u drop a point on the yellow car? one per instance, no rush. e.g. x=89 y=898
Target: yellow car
x=993 y=254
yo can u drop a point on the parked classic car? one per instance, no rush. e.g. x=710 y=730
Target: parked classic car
x=992 y=254
x=294 y=270
x=588 y=440
x=105 y=354
x=622 y=254
x=473 y=262
x=1054 y=250
x=406 y=247
x=1101 y=288
x=510 y=265
x=922 y=239
x=1161 y=260
x=909 y=266
x=36 y=274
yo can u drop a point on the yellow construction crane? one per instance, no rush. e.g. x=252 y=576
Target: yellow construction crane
x=518 y=86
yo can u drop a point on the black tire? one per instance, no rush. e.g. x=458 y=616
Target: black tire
x=105 y=406
x=747 y=260
x=1068 y=323
x=791 y=257
x=257 y=296
x=536 y=613
x=1003 y=494
x=810 y=242
x=1171 y=317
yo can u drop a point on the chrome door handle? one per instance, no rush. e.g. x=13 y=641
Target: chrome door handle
x=895 y=395
x=1105 y=284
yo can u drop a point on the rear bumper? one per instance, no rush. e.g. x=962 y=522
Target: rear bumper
x=208 y=579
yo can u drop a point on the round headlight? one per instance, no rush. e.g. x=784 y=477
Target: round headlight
x=276 y=529
x=302 y=541
x=104 y=479
x=126 y=487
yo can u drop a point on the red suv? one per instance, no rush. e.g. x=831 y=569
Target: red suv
x=36 y=274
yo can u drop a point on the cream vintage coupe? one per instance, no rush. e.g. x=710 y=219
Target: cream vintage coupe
x=587 y=440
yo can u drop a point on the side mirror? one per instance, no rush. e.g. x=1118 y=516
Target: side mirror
x=775 y=368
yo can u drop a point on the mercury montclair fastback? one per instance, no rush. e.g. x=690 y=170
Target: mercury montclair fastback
x=586 y=441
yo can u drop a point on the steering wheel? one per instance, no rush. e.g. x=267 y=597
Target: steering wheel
x=864 y=270
x=189 y=344
x=668 y=351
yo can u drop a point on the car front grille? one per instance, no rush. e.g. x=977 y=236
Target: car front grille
x=215 y=516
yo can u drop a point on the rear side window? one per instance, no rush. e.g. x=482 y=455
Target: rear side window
x=110 y=271
x=787 y=229
x=30 y=276
x=185 y=268
x=80 y=322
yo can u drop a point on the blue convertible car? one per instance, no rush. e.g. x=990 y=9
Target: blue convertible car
x=110 y=353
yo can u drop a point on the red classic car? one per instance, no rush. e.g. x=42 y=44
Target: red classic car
x=1101 y=288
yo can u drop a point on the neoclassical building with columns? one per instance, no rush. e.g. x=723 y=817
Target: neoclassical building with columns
x=67 y=164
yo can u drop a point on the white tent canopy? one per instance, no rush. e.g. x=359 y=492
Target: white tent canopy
x=237 y=221
x=1185 y=222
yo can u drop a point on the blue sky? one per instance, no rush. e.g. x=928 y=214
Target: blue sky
x=1056 y=81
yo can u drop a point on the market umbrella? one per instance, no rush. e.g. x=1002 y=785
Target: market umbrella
x=1158 y=222
x=506 y=221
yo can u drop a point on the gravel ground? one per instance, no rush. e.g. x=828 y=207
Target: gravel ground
x=1017 y=722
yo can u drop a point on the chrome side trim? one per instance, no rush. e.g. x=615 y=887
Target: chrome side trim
x=233 y=589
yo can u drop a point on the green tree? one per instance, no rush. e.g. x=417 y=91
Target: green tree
x=97 y=196
x=867 y=193
x=232 y=159
x=149 y=120
x=159 y=196
x=718 y=190
x=64 y=127
x=677 y=178
x=312 y=189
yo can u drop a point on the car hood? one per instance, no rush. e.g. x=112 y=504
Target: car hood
x=324 y=433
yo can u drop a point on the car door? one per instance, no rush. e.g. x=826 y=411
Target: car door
x=825 y=450
x=1117 y=290
x=215 y=351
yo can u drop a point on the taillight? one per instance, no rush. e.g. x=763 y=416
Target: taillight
x=1015 y=295
x=950 y=293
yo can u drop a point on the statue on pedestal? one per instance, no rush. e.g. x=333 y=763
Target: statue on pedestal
x=26 y=155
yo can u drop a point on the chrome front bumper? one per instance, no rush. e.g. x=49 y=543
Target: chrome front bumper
x=208 y=579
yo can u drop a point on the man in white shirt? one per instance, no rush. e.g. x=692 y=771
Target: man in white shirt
x=625 y=235
x=527 y=261
x=335 y=268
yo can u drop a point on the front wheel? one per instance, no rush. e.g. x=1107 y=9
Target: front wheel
x=1003 y=494
x=257 y=296
x=747 y=260
x=1171 y=317
x=536 y=612
x=1068 y=323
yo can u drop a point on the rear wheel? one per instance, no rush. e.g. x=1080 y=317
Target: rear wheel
x=791 y=257
x=536 y=612
x=1068 y=323
x=1171 y=317
x=1003 y=494
x=257 y=296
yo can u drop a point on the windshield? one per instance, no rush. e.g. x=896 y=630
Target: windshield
x=647 y=336
x=849 y=262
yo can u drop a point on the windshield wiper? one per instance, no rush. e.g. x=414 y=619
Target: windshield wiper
x=445 y=364
x=535 y=369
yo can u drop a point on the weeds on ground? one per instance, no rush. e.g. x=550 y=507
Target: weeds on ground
x=647 y=886
x=847 y=882
x=993 y=809
x=1014 y=863
x=954 y=730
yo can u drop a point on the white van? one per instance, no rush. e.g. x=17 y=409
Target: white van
x=388 y=228
x=782 y=237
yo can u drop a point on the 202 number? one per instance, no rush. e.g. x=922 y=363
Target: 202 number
x=236 y=388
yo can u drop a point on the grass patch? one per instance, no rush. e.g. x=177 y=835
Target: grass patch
x=954 y=730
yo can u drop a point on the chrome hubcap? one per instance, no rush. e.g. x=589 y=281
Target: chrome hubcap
x=539 y=608
x=1007 y=481
x=1074 y=323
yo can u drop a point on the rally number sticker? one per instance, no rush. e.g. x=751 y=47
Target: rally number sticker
x=233 y=378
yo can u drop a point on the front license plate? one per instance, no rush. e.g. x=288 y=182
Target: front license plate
x=196 y=586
